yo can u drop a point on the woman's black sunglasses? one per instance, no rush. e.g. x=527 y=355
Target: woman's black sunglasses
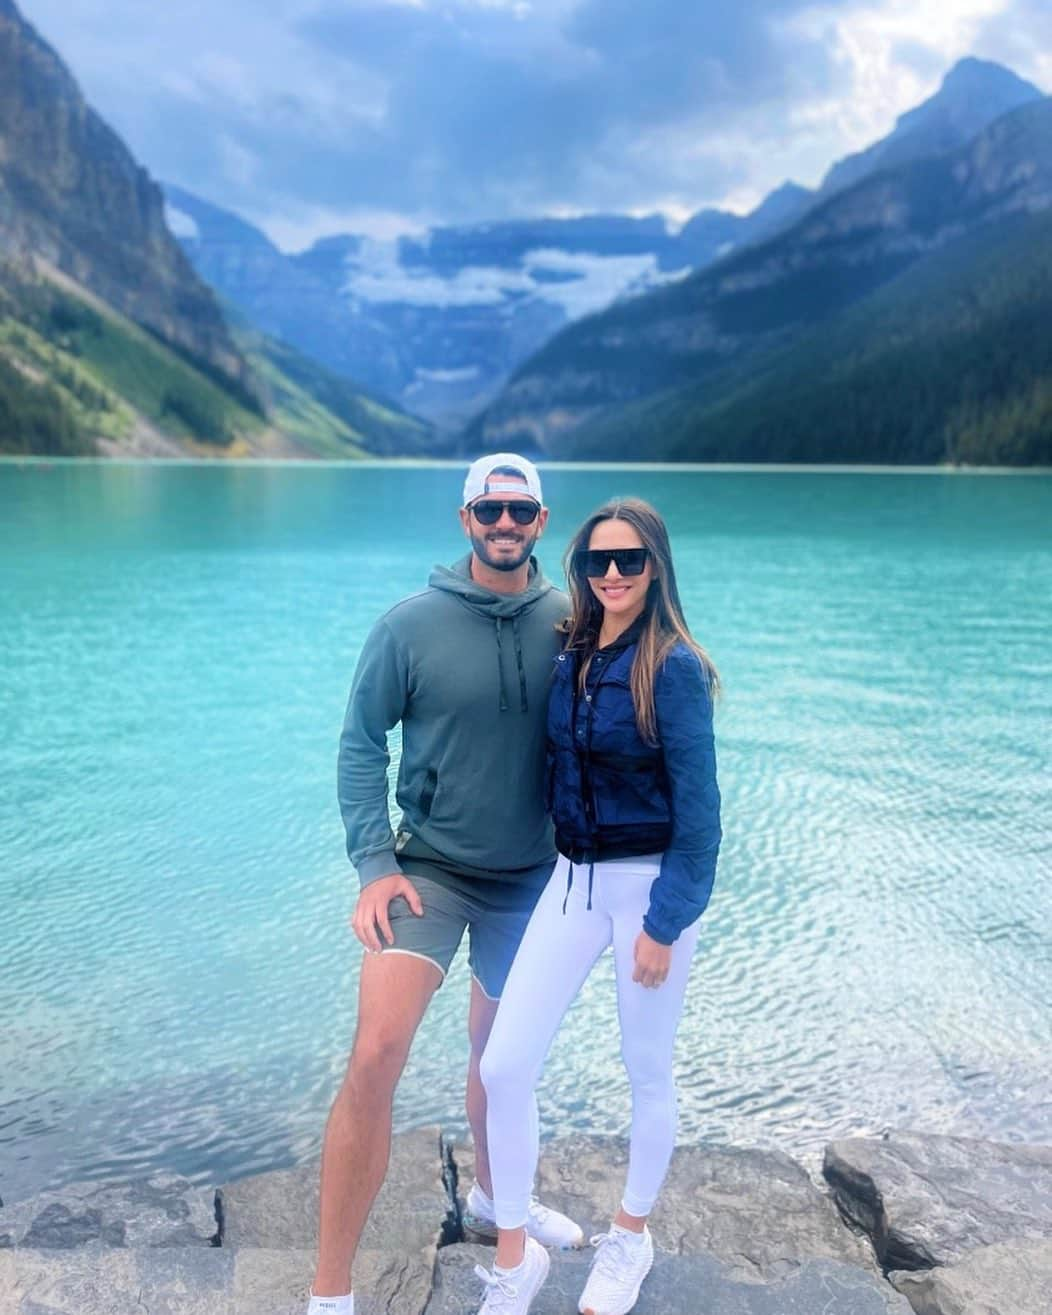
x=489 y=513
x=595 y=562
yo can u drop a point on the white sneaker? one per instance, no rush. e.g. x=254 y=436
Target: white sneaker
x=621 y=1263
x=512 y=1292
x=545 y=1225
x=331 y=1305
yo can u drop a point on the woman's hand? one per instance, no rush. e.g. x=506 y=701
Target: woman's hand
x=652 y=961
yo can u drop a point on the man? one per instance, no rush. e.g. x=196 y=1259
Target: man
x=465 y=667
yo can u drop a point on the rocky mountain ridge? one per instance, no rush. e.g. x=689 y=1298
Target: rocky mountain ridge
x=973 y=94
x=72 y=195
x=441 y=321
x=109 y=341
x=842 y=250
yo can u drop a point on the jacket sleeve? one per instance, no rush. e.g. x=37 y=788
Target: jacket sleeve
x=683 y=703
x=379 y=693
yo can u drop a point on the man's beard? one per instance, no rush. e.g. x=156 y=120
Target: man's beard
x=482 y=552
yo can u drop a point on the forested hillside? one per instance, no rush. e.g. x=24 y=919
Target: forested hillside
x=950 y=362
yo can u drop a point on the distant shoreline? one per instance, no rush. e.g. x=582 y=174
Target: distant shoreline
x=459 y=463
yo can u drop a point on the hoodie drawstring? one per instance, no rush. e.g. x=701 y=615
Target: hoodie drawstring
x=523 y=705
x=500 y=664
x=569 y=882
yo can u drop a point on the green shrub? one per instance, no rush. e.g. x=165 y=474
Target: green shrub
x=194 y=412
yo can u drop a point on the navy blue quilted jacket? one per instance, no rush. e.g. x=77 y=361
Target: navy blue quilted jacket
x=614 y=796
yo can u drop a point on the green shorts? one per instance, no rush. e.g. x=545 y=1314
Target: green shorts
x=494 y=911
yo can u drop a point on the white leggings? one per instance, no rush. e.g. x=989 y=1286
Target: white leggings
x=556 y=955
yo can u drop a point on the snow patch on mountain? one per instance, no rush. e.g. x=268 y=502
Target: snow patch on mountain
x=576 y=282
x=590 y=283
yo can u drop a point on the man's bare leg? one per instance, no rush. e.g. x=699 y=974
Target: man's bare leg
x=393 y=996
x=481 y=1014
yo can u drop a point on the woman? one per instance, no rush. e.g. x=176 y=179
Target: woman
x=636 y=811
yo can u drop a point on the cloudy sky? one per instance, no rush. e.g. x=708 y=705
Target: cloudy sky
x=312 y=117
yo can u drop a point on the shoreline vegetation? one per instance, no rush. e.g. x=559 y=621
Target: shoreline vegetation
x=904 y=1224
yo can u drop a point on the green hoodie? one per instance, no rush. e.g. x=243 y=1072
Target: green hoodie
x=467 y=673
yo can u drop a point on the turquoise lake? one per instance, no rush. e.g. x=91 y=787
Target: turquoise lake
x=177 y=977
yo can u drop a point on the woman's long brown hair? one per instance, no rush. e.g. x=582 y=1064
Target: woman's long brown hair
x=664 y=626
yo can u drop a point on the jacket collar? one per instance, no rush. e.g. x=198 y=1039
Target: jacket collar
x=626 y=639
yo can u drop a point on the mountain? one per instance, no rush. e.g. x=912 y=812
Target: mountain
x=72 y=196
x=709 y=331
x=436 y=322
x=109 y=340
x=274 y=294
x=326 y=414
x=440 y=321
x=949 y=362
x=78 y=378
x=973 y=94
x=710 y=234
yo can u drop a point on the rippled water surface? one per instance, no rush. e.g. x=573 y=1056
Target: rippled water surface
x=177 y=981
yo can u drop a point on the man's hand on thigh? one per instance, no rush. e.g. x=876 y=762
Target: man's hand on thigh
x=370 y=919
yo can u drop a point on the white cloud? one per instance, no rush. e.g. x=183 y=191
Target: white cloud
x=313 y=117
x=180 y=223
x=240 y=166
x=596 y=280
x=879 y=85
x=374 y=274
x=295 y=227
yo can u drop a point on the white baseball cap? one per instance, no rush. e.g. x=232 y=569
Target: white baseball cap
x=494 y=474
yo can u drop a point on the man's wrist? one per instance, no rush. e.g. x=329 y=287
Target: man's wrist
x=374 y=866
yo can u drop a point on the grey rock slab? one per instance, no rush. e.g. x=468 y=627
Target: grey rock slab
x=185 y=1281
x=164 y=1210
x=929 y=1200
x=681 y=1285
x=1007 y=1278
x=280 y=1209
x=757 y=1212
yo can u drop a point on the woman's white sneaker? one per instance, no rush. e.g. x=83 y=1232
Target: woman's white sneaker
x=511 y=1291
x=622 y=1261
x=543 y=1224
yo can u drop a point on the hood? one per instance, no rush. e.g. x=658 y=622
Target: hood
x=497 y=608
x=457 y=580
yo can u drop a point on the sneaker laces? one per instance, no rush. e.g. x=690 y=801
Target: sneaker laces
x=538 y=1211
x=501 y=1293
x=612 y=1251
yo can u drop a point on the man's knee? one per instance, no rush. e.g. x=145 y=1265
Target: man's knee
x=377 y=1061
x=394 y=994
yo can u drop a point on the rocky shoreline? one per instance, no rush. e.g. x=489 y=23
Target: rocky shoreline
x=908 y=1224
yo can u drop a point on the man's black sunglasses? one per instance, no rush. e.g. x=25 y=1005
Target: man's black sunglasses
x=489 y=513
x=595 y=562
